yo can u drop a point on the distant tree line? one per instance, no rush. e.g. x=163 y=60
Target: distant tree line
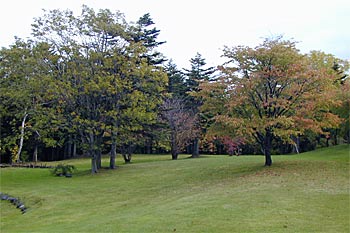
x=94 y=84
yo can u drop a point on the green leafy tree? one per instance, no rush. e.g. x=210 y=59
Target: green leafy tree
x=107 y=85
x=27 y=94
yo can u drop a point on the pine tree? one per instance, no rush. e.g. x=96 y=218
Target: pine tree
x=197 y=74
x=177 y=86
x=142 y=33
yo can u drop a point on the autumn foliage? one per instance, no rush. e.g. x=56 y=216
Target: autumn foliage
x=271 y=92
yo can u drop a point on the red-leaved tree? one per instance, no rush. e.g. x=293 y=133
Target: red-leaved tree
x=181 y=122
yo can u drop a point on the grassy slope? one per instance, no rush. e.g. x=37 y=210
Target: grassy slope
x=300 y=193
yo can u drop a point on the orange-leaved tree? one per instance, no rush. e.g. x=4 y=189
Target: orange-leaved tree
x=271 y=92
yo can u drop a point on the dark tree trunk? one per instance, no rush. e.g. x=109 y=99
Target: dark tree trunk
x=149 y=146
x=74 y=154
x=93 y=154
x=113 y=155
x=267 y=148
x=219 y=148
x=126 y=153
x=127 y=158
x=93 y=164
x=99 y=159
x=268 y=160
x=94 y=167
x=195 y=152
x=189 y=149
x=174 y=156
x=318 y=140
x=174 y=148
x=52 y=155
x=174 y=152
x=336 y=137
x=69 y=147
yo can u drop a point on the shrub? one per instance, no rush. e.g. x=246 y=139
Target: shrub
x=63 y=170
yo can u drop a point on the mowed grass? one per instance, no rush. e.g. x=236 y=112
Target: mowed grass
x=299 y=193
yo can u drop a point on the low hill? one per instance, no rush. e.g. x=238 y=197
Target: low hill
x=308 y=192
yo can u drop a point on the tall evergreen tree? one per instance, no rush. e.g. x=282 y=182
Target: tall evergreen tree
x=194 y=76
x=148 y=37
x=176 y=86
x=198 y=72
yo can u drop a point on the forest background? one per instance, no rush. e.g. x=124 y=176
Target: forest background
x=93 y=83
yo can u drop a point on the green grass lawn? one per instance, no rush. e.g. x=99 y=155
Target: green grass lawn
x=299 y=193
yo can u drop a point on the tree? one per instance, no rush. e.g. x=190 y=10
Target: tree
x=339 y=68
x=232 y=145
x=141 y=33
x=27 y=94
x=176 y=86
x=106 y=83
x=272 y=91
x=197 y=73
x=181 y=123
x=344 y=110
x=195 y=76
x=144 y=34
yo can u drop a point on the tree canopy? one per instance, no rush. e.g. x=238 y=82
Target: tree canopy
x=271 y=92
x=94 y=83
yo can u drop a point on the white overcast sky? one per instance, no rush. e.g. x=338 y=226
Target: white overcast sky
x=206 y=26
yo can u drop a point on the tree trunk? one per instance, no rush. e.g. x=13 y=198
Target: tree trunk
x=18 y=159
x=93 y=154
x=113 y=154
x=219 y=149
x=149 y=146
x=35 y=154
x=127 y=157
x=267 y=148
x=69 y=147
x=296 y=145
x=327 y=140
x=174 y=148
x=174 y=156
x=336 y=137
x=93 y=164
x=99 y=159
x=195 y=152
x=74 y=149
x=174 y=152
x=125 y=153
x=189 y=149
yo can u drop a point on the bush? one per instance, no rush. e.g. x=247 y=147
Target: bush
x=63 y=170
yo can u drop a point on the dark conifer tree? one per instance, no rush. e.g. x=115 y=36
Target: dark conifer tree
x=194 y=76
x=176 y=86
x=142 y=32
